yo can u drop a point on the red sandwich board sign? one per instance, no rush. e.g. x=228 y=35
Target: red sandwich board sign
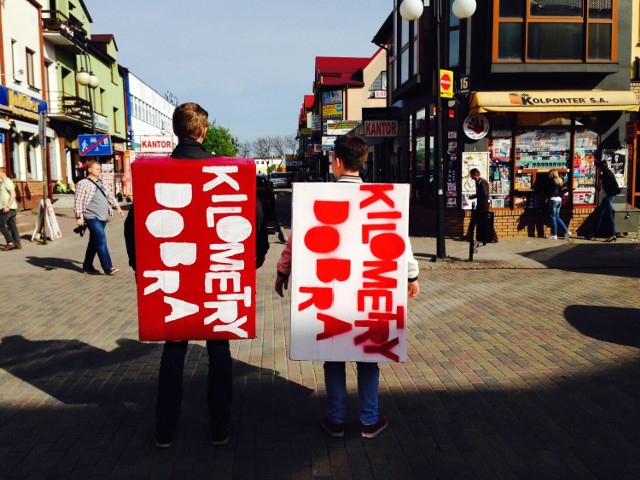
x=350 y=249
x=195 y=248
x=446 y=83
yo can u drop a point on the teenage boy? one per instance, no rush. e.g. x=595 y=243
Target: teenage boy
x=190 y=123
x=350 y=154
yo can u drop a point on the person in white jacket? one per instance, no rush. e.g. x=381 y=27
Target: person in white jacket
x=350 y=154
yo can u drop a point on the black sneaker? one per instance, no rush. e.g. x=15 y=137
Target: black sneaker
x=91 y=271
x=218 y=439
x=163 y=440
x=336 y=430
x=372 y=431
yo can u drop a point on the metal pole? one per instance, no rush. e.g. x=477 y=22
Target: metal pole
x=93 y=123
x=438 y=163
x=42 y=125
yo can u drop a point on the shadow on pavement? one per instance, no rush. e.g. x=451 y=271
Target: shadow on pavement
x=578 y=427
x=53 y=263
x=596 y=257
x=108 y=406
x=609 y=324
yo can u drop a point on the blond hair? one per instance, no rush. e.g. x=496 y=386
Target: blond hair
x=553 y=175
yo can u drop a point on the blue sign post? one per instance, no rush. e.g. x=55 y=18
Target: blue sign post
x=94 y=145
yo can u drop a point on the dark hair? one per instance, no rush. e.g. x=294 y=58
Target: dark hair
x=473 y=171
x=190 y=120
x=353 y=150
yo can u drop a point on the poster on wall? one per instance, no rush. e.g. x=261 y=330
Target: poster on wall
x=470 y=160
x=617 y=161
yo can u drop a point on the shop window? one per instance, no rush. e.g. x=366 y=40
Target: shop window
x=16 y=166
x=553 y=31
x=32 y=158
x=584 y=168
x=500 y=149
x=536 y=152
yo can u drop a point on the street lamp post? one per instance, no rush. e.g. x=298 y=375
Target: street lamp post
x=412 y=10
x=88 y=79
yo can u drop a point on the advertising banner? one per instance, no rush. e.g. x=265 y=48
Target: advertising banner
x=470 y=160
x=349 y=272
x=195 y=248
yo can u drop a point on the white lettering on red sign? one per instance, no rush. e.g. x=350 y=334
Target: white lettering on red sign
x=223 y=285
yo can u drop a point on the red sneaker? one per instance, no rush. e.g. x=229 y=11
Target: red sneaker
x=336 y=430
x=372 y=431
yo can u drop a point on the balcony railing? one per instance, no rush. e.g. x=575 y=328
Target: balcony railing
x=75 y=110
x=62 y=30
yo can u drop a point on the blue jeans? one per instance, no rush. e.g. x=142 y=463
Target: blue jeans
x=336 y=383
x=554 y=214
x=606 y=207
x=97 y=245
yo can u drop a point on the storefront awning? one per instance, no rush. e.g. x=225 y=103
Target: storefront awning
x=553 y=101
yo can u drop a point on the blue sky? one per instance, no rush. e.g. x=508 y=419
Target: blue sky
x=249 y=63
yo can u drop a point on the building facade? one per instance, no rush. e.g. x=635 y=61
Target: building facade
x=23 y=97
x=538 y=86
x=150 y=125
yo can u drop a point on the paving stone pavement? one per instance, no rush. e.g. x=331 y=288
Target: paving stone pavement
x=522 y=364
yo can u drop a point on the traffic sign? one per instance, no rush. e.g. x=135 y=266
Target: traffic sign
x=95 y=145
x=446 y=83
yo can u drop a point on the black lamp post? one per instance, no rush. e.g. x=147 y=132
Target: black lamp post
x=88 y=79
x=412 y=10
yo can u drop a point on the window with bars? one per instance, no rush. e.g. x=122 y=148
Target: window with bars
x=555 y=31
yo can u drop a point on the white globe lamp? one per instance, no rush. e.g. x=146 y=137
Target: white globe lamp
x=83 y=78
x=411 y=9
x=463 y=8
x=94 y=81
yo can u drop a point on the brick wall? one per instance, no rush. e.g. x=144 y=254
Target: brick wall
x=507 y=223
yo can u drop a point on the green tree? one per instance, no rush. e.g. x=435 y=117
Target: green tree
x=219 y=141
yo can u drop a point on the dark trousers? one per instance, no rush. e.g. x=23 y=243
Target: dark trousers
x=484 y=230
x=219 y=386
x=8 y=227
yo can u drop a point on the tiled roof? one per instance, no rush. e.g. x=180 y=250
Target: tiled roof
x=341 y=70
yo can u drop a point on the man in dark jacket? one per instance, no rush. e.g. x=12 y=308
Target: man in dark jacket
x=611 y=188
x=190 y=122
x=485 y=232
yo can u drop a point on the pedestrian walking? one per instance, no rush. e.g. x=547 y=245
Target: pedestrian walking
x=8 y=212
x=480 y=217
x=554 y=189
x=350 y=153
x=93 y=205
x=190 y=123
x=610 y=187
